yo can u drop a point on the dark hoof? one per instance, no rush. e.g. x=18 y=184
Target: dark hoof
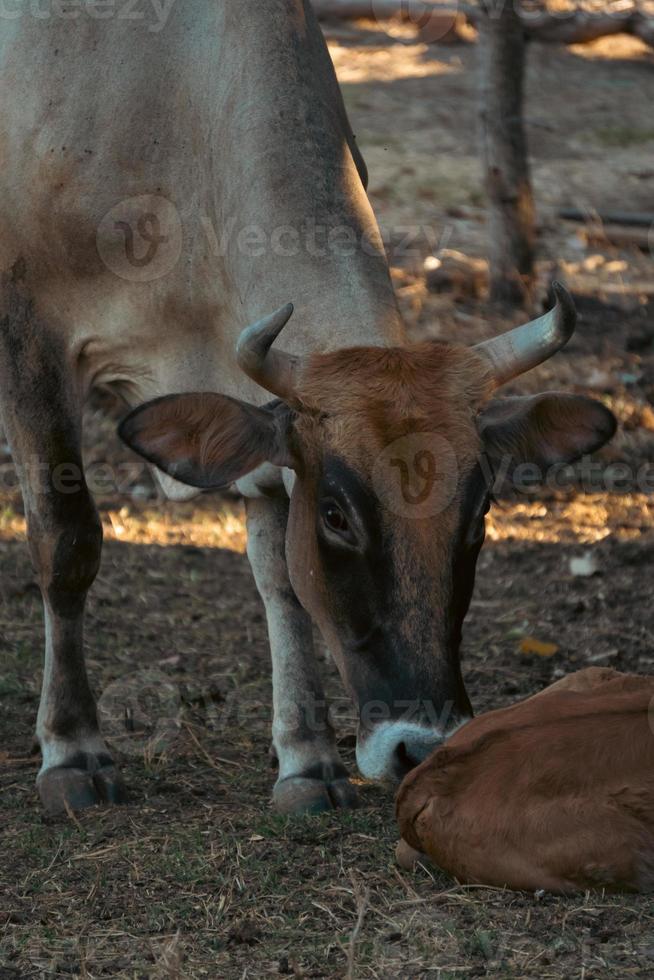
x=110 y=786
x=301 y=794
x=77 y=788
x=62 y=786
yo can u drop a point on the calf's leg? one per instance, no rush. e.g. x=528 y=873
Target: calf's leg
x=312 y=777
x=41 y=412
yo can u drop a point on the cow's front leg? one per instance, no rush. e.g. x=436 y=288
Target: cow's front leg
x=312 y=777
x=41 y=416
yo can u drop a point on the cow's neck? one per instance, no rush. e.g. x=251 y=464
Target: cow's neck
x=338 y=302
x=318 y=247
x=304 y=229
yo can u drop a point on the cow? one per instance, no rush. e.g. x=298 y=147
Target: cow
x=553 y=793
x=168 y=189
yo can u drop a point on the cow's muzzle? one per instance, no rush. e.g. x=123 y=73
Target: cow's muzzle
x=391 y=749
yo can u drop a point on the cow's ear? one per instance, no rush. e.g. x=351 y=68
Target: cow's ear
x=207 y=440
x=545 y=429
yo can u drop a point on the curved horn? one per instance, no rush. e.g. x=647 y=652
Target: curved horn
x=272 y=369
x=522 y=349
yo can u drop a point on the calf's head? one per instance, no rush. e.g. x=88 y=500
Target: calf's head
x=391 y=451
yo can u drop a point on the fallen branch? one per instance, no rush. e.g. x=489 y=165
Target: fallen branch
x=438 y=21
x=579 y=27
x=618 y=236
x=632 y=219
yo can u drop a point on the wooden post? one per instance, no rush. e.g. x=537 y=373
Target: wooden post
x=511 y=219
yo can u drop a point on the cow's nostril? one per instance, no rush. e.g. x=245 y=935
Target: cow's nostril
x=406 y=760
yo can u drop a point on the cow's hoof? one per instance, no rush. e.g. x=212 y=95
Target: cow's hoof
x=74 y=787
x=110 y=786
x=300 y=794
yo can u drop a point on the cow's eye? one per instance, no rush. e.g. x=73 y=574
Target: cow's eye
x=334 y=518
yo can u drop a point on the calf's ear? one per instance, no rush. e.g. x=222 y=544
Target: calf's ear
x=207 y=440
x=545 y=429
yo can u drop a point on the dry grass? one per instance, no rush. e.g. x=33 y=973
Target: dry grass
x=198 y=877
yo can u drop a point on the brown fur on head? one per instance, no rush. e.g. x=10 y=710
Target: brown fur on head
x=370 y=396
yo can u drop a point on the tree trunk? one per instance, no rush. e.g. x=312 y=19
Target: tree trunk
x=511 y=222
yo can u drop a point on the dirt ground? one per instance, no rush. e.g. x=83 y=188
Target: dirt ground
x=198 y=877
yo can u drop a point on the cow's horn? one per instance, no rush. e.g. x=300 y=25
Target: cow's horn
x=272 y=369
x=522 y=349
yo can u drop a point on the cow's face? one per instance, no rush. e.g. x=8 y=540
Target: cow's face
x=385 y=526
x=391 y=451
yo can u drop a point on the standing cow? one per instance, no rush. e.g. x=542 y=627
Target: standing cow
x=165 y=184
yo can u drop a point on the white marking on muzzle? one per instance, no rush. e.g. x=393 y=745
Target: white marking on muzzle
x=377 y=749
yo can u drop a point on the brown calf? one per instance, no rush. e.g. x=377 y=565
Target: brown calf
x=555 y=792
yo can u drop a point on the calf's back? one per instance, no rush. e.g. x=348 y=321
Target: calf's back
x=556 y=792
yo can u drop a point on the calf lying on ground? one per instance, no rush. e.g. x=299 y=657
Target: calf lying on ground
x=555 y=792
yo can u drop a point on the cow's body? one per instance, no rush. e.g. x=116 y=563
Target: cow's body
x=163 y=186
x=555 y=792
x=230 y=112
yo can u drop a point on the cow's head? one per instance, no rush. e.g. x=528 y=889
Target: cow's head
x=391 y=450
